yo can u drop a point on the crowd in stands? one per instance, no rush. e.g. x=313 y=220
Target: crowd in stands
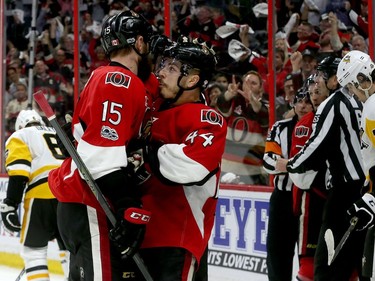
x=307 y=32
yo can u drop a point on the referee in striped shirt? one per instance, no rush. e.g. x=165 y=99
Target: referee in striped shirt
x=335 y=141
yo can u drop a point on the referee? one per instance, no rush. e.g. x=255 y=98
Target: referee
x=335 y=142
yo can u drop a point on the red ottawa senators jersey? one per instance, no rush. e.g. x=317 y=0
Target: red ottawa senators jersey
x=193 y=138
x=301 y=132
x=108 y=115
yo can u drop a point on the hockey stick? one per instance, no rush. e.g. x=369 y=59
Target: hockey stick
x=48 y=111
x=330 y=242
x=21 y=274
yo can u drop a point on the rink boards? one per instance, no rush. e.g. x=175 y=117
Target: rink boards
x=237 y=248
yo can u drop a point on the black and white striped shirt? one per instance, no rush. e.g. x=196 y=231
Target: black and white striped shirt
x=335 y=140
x=278 y=144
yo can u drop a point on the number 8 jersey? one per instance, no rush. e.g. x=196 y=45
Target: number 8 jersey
x=33 y=152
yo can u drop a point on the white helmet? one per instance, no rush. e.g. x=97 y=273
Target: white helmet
x=26 y=117
x=355 y=67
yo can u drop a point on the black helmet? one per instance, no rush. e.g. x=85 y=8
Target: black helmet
x=328 y=66
x=122 y=29
x=302 y=94
x=193 y=54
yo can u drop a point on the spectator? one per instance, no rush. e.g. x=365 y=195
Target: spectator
x=282 y=44
x=17 y=104
x=213 y=91
x=17 y=30
x=287 y=105
x=98 y=59
x=311 y=10
x=13 y=79
x=222 y=79
x=305 y=38
x=251 y=60
x=303 y=65
x=246 y=111
x=329 y=40
x=201 y=25
x=50 y=83
x=359 y=43
x=59 y=63
x=146 y=9
x=360 y=19
x=338 y=7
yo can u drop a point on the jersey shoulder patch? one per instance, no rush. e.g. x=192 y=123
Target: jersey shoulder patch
x=118 y=79
x=212 y=116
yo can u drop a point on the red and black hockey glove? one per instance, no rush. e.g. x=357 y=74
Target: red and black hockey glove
x=129 y=231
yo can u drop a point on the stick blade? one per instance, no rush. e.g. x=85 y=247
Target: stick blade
x=43 y=104
x=330 y=242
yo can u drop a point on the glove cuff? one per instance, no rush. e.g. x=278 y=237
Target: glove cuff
x=370 y=201
x=137 y=215
x=5 y=207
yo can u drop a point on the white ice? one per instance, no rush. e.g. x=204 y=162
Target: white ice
x=11 y=273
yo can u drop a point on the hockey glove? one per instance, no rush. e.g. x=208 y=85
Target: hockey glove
x=136 y=169
x=9 y=215
x=150 y=154
x=129 y=231
x=364 y=209
x=67 y=128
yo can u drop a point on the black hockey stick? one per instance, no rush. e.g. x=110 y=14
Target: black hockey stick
x=330 y=242
x=48 y=111
x=21 y=274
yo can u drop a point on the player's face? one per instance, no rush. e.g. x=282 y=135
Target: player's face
x=355 y=91
x=315 y=96
x=302 y=107
x=321 y=86
x=168 y=74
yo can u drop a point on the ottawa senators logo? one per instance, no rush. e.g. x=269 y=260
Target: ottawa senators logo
x=301 y=131
x=212 y=117
x=118 y=79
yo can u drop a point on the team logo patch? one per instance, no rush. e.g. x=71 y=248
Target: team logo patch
x=301 y=131
x=109 y=133
x=212 y=117
x=118 y=79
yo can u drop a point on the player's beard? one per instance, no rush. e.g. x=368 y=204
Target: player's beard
x=144 y=68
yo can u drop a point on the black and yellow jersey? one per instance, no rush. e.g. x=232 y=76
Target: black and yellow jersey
x=33 y=152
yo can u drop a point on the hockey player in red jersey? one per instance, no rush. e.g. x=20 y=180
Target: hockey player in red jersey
x=184 y=152
x=108 y=116
x=309 y=191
